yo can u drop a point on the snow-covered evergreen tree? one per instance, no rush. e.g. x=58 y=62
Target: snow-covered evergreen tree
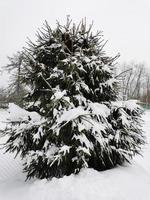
x=76 y=94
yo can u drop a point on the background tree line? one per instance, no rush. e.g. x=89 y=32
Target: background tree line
x=135 y=82
x=15 y=90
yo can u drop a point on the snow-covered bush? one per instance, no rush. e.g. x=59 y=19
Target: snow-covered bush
x=75 y=92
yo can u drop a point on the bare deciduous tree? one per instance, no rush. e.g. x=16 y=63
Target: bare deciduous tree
x=135 y=81
x=16 y=88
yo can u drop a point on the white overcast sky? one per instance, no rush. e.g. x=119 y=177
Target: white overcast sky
x=125 y=24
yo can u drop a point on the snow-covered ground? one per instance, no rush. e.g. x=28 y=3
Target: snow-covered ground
x=130 y=182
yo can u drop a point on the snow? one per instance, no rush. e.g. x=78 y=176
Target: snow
x=18 y=114
x=55 y=46
x=58 y=94
x=74 y=113
x=130 y=104
x=129 y=182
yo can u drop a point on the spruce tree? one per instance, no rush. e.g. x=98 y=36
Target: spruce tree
x=76 y=95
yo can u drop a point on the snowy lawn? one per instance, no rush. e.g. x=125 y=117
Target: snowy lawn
x=130 y=182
